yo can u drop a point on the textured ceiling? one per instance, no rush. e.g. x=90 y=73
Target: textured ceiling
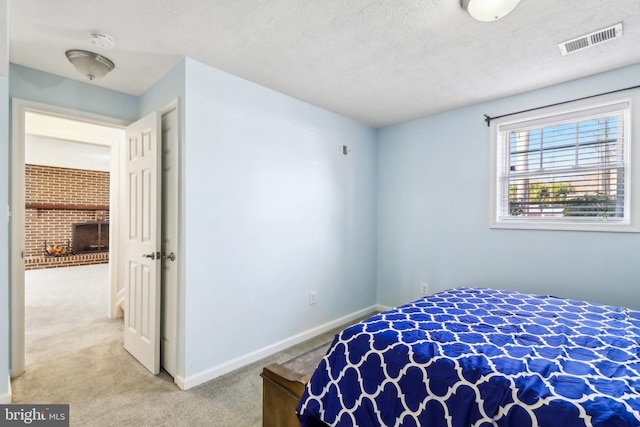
x=377 y=61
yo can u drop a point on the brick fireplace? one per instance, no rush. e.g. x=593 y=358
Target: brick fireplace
x=57 y=199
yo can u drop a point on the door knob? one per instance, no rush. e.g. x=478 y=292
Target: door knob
x=171 y=256
x=152 y=255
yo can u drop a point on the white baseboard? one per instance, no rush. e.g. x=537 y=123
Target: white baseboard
x=216 y=371
x=382 y=307
x=179 y=381
x=5 y=398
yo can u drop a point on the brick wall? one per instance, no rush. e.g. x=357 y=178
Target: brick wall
x=61 y=187
x=40 y=262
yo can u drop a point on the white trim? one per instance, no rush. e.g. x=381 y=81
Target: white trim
x=224 y=368
x=171 y=215
x=382 y=307
x=565 y=226
x=16 y=267
x=180 y=382
x=115 y=182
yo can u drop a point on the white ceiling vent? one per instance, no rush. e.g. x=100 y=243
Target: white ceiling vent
x=592 y=39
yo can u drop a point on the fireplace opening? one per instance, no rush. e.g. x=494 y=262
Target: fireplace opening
x=90 y=237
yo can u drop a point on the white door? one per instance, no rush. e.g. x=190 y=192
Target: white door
x=142 y=242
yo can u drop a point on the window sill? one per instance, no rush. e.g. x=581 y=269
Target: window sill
x=604 y=226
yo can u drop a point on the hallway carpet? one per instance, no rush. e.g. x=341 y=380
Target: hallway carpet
x=75 y=355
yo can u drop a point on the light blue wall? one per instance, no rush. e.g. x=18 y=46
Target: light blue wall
x=33 y=85
x=169 y=88
x=273 y=211
x=433 y=213
x=4 y=238
x=4 y=203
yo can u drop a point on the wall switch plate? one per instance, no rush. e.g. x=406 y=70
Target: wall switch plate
x=313 y=297
x=424 y=288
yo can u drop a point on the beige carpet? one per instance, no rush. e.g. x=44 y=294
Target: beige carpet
x=75 y=355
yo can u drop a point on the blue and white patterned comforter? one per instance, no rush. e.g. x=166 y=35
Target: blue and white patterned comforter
x=481 y=357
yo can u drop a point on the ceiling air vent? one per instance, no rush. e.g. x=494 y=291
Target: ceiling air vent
x=592 y=39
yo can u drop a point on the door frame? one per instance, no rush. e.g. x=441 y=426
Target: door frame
x=170 y=143
x=19 y=107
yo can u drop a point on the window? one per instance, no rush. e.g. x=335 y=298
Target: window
x=565 y=168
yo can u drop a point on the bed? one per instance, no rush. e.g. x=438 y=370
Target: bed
x=481 y=357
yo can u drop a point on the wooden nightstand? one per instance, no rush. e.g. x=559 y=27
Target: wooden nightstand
x=283 y=385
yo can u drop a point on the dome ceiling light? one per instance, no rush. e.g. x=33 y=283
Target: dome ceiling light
x=90 y=64
x=488 y=10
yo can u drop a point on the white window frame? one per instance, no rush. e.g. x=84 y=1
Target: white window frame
x=631 y=220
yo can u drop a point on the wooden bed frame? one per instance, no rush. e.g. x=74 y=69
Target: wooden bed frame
x=283 y=385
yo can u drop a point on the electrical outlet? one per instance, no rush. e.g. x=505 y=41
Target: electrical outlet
x=313 y=297
x=424 y=288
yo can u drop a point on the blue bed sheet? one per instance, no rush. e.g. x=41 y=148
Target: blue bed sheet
x=482 y=357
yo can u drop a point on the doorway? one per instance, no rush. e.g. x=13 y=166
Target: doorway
x=67 y=165
x=116 y=290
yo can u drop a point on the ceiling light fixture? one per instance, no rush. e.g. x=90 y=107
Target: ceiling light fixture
x=488 y=10
x=90 y=64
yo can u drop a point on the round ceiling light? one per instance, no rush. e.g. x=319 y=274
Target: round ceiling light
x=90 y=64
x=488 y=10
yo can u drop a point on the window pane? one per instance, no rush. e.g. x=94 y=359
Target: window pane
x=591 y=194
x=572 y=169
